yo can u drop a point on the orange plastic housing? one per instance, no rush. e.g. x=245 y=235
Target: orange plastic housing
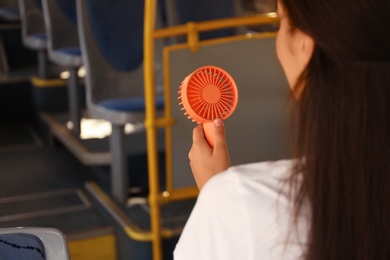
x=208 y=93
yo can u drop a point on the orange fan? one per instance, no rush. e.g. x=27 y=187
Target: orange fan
x=206 y=94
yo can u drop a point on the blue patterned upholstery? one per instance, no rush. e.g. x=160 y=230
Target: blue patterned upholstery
x=38 y=3
x=68 y=7
x=21 y=246
x=197 y=11
x=117 y=26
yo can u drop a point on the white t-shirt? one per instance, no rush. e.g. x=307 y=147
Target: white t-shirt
x=244 y=213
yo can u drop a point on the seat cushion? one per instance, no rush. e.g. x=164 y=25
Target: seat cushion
x=132 y=104
x=67 y=57
x=10 y=14
x=36 y=41
x=75 y=51
x=40 y=36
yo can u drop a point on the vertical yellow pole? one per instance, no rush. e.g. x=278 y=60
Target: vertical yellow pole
x=149 y=27
x=168 y=127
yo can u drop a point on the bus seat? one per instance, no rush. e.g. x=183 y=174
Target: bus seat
x=9 y=15
x=64 y=50
x=61 y=25
x=34 y=33
x=111 y=35
x=9 y=11
x=34 y=243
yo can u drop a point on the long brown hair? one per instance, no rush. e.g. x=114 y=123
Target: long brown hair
x=342 y=127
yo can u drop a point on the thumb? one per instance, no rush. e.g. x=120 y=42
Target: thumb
x=219 y=134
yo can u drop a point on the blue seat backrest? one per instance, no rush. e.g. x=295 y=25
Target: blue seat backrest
x=68 y=7
x=198 y=10
x=117 y=26
x=38 y=3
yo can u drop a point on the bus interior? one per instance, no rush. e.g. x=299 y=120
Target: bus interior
x=93 y=141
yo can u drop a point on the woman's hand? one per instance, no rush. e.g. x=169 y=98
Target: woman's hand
x=205 y=161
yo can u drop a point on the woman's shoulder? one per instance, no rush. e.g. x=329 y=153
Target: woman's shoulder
x=267 y=169
x=259 y=170
x=250 y=177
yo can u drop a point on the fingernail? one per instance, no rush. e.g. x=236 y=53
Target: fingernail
x=218 y=122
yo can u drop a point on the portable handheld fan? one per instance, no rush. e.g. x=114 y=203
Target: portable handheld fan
x=206 y=94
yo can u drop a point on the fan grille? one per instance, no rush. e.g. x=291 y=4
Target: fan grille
x=208 y=93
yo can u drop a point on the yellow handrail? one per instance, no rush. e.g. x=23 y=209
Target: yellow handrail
x=270 y=18
x=149 y=27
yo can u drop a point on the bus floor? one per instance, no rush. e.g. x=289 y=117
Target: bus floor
x=44 y=186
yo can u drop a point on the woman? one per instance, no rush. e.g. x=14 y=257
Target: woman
x=331 y=202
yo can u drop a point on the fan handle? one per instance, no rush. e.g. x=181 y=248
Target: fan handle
x=208 y=130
